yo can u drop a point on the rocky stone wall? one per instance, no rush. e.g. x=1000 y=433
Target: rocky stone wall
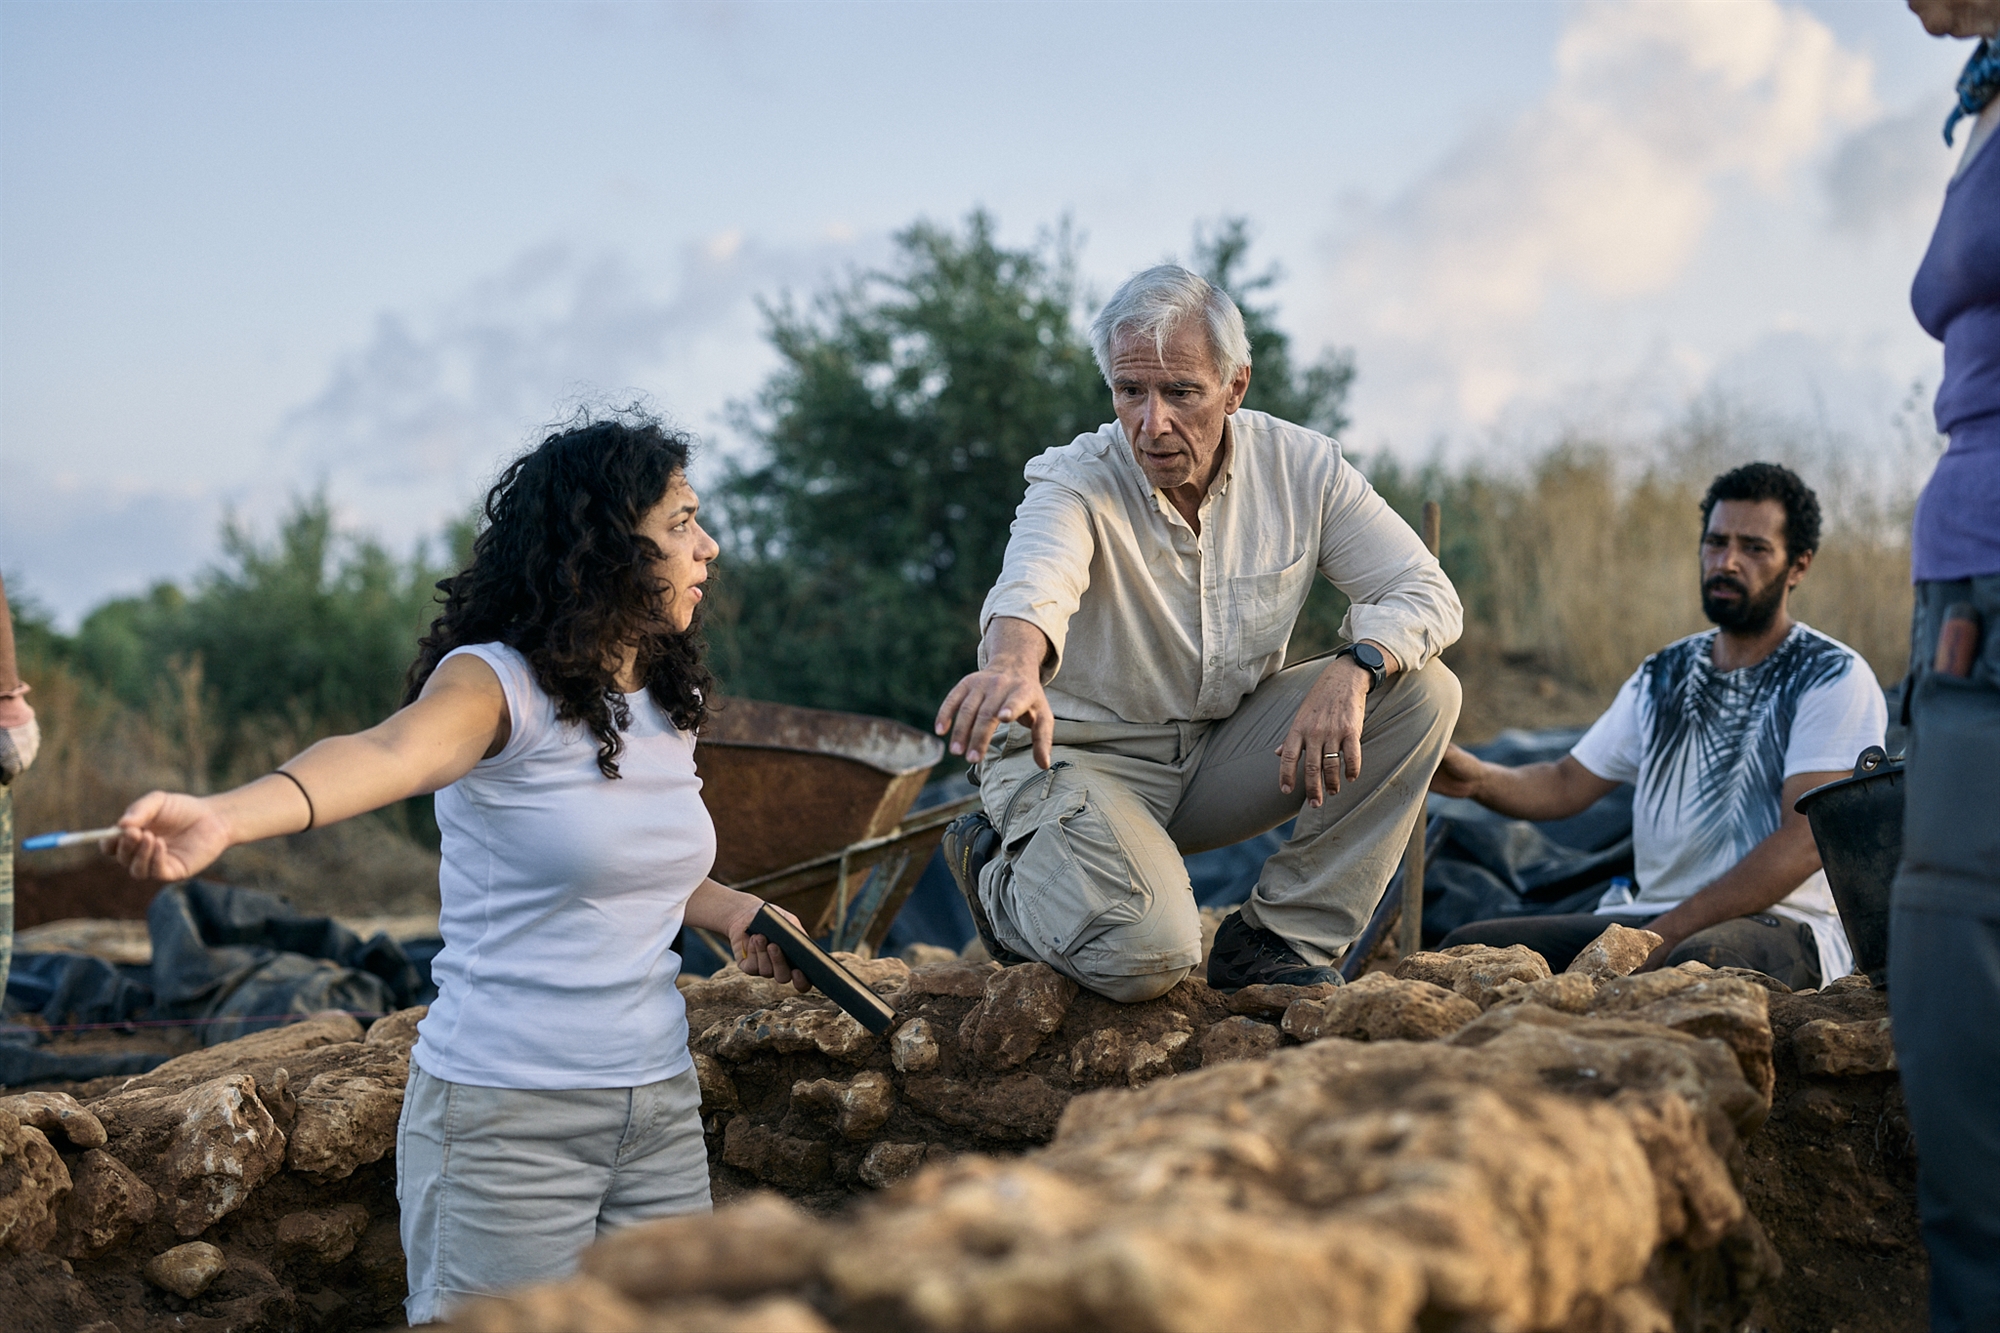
x=1470 y=1142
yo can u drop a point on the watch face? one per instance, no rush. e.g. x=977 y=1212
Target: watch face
x=1369 y=656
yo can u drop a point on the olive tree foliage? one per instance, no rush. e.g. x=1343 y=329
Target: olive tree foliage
x=284 y=639
x=859 y=545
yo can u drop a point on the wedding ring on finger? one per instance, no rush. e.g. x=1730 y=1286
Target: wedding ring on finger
x=1330 y=754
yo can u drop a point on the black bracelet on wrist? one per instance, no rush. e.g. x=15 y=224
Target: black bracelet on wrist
x=312 y=815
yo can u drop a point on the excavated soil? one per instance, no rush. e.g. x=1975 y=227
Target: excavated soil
x=1468 y=1142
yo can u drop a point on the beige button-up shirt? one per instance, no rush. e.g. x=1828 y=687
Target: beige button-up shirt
x=1152 y=623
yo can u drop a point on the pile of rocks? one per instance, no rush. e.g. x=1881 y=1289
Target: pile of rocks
x=245 y=1186
x=1470 y=1142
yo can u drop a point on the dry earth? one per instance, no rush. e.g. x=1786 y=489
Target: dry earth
x=1466 y=1143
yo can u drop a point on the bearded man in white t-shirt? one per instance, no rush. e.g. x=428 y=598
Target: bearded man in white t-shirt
x=1720 y=733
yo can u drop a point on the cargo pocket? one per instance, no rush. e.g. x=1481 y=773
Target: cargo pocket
x=1053 y=896
x=1948 y=824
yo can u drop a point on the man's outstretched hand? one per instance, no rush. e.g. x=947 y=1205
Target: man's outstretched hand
x=1007 y=689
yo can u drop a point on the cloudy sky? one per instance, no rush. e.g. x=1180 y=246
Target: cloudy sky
x=247 y=249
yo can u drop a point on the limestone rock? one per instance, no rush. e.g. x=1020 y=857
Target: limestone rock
x=1701 y=1004
x=107 y=1204
x=1615 y=953
x=887 y=977
x=733 y=988
x=1148 y=1060
x=1378 y=1007
x=1600 y=1057
x=1098 y=1055
x=272 y=1044
x=397 y=1030
x=1698 y=1201
x=914 y=1047
x=585 y=1305
x=33 y=1181
x=56 y=1113
x=1263 y=1001
x=186 y=1270
x=718 y=1090
x=760 y=1243
x=223 y=1146
x=1238 y=1038
x=772 y=1157
x=324 y=1237
x=887 y=1163
x=346 y=1120
x=1828 y=1046
x=796 y=1025
x=1020 y=1007
x=1570 y=992
x=1017 y=1107
x=961 y=977
x=857 y=1108
x=1476 y=971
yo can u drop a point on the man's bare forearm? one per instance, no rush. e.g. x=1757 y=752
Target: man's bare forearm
x=1539 y=791
x=1757 y=883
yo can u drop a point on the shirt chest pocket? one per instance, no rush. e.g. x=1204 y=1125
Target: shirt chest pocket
x=1263 y=607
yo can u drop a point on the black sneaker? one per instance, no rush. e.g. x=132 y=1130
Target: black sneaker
x=1245 y=955
x=970 y=841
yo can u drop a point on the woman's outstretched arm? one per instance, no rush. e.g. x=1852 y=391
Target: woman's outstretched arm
x=460 y=718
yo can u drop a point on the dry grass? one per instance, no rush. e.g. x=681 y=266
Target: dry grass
x=1585 y=564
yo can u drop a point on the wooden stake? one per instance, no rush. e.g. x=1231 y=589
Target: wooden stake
x=1410 y=930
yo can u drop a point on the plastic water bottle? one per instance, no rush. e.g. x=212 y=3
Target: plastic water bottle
x=1620 y=891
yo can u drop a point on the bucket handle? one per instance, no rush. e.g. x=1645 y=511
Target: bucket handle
x=1870 y=759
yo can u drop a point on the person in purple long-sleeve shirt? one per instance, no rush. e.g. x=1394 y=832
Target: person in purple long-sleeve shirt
x=1944 y=930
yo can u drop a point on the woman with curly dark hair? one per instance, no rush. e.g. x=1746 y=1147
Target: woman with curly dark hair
x=553 y=709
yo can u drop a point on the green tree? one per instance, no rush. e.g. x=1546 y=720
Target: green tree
x=303 y=635
x=895 y=432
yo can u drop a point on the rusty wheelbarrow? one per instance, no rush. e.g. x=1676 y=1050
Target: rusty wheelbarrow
x=810 y=813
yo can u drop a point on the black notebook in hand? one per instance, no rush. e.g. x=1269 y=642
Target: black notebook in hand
x=824 y=971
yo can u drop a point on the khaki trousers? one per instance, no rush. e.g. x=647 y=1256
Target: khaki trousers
x=1090 y=880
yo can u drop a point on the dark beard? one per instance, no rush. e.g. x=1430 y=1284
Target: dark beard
x=1751 y=614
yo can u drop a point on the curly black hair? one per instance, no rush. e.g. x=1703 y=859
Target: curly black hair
x=560 y=573
x=1771 y=481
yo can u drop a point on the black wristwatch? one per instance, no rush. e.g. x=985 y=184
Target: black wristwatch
x=1370 y=659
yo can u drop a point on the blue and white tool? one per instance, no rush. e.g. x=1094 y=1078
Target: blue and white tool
x=45 y=842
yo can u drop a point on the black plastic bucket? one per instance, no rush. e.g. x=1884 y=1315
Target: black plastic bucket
x=1858 y=824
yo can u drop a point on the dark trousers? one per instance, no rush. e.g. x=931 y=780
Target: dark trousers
x=1763 y=943
x=1944 y=958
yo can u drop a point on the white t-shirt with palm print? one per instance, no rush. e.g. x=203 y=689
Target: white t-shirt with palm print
x=1709 y=752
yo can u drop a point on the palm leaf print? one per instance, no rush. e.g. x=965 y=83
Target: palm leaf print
x=1718 y=739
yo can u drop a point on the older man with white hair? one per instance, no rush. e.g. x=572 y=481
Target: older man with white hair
x=1133 y=666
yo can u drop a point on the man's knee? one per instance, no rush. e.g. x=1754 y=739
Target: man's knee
x=1776 y=946
x=1438 y=696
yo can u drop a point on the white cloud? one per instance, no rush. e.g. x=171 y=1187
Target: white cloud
x=410 y=428
x=1548 y=250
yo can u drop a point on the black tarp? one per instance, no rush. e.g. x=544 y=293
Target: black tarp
x=226 y=961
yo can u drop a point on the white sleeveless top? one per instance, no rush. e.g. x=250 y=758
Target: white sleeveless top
x=562 y=894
